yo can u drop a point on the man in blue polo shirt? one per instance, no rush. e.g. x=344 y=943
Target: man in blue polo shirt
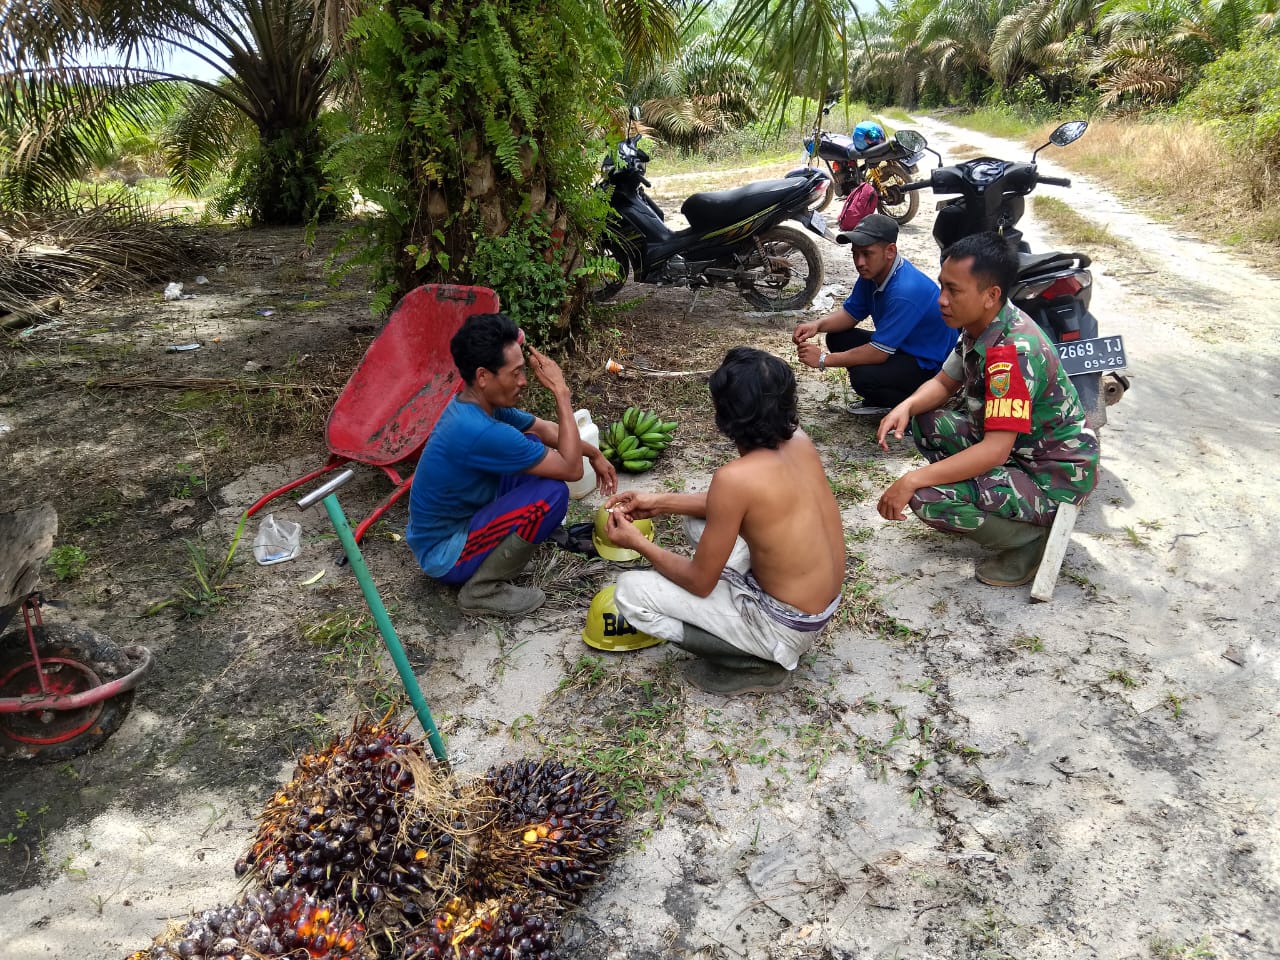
x=491 y=483
x=910 y=340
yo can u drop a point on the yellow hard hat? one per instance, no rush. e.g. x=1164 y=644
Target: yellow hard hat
x=605 y=547
x=607 y=629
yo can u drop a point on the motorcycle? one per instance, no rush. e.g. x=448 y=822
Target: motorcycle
x=887 y=166
x=1053 y=288
x=735 y=238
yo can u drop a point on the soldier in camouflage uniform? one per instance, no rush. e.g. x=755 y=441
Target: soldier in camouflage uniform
x=1016 y=446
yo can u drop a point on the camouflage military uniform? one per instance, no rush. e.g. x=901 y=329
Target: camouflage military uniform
x=1012 y=380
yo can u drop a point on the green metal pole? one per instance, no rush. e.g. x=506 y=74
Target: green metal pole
x=356 y=558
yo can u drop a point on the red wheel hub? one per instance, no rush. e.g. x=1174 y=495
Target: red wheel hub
x=44 y=725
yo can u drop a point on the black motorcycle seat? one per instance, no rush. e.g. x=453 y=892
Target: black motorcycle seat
x=723 y=207
x=879 y=150
x=1053 y=260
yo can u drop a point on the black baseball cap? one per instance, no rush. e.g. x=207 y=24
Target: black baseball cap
x=874 y=228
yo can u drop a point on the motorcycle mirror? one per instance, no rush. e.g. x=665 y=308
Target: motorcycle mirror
x=1069 y=132
x=911 y=140
x=635 y=113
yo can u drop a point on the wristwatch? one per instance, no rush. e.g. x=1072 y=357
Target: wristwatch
x=822 y=360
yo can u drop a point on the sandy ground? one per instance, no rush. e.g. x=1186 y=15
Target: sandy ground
x=957 y=773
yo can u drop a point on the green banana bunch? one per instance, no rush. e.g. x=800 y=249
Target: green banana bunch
x=636 y=441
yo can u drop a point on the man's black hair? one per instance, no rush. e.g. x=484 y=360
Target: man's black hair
x=481 y=342
x=755 y=399
x=994 y=262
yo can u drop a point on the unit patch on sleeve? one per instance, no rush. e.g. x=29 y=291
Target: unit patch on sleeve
x=1008 y=404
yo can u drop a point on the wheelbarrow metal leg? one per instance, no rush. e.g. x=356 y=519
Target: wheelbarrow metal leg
x=401 y=488
x=333 y=463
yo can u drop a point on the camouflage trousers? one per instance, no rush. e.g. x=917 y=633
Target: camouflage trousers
x=1006 y=491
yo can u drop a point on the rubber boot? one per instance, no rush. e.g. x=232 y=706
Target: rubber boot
x=488 y=594
x=722 y=668
x=1021 y=546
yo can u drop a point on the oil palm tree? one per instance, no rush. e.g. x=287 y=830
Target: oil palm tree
x=955 y=37
x=70 y=69
x=889 y=68
x=1047 y=38
x=703 y=91
x=1152 y=48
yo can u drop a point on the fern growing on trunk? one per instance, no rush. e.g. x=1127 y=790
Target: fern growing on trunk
x=476 y=142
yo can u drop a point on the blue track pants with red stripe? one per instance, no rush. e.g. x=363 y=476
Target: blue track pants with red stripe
x=528 y=506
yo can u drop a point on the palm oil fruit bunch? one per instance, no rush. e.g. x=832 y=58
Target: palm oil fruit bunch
x=553 y=829
x=346 y=829
x=503 y=928
x=637 y=440
x=266 y=925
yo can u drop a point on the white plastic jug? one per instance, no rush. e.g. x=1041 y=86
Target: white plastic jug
x=590 y=433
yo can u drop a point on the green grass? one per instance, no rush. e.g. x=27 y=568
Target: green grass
x=668 y=162
x=853 y=481
x=1124 y=678
x=628 y=729
x=67 y=562
x=1165 y=949
x=1070 y=227
x=352 y=649
x=997 y=122
x=1028 y=643
x=206 y=587
x=896 y=114
x=151 y=192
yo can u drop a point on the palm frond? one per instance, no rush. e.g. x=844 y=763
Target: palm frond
x=647 y=29
x=803 y=43
x=56 y=123
x=114 y=246
x=203 y=132
x=1147 y=80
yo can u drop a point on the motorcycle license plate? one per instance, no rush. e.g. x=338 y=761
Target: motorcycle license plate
x=1092 y=356
x=815 y=222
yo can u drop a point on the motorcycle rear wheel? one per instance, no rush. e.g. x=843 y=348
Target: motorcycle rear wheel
x=604 y=288
x=794 y=271
x=894 y=202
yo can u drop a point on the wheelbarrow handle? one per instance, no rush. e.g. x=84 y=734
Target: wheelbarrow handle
x=319 y=493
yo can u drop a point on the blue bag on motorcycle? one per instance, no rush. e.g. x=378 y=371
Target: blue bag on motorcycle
x=861 y=202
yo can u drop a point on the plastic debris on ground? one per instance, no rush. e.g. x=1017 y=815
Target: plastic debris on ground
x=277 y=540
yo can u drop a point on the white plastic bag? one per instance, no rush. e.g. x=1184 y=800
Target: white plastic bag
x=173 y=291
x=277 y=540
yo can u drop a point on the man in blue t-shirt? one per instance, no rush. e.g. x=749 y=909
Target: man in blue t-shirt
x=491 y=483
x=910 y=340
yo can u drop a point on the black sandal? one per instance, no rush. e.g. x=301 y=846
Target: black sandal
x=576 y=538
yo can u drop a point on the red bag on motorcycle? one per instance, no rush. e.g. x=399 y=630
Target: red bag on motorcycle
x=861 y=202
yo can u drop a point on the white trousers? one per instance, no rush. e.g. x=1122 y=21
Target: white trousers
x=657 y=606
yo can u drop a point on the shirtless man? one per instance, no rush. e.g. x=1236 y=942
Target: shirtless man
x=768 y=563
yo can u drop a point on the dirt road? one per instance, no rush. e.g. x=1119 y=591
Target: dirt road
x=955 y=773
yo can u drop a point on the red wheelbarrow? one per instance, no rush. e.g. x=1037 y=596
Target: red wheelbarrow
x=398 y=390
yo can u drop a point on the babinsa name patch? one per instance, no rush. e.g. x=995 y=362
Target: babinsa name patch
x=1008 y=401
